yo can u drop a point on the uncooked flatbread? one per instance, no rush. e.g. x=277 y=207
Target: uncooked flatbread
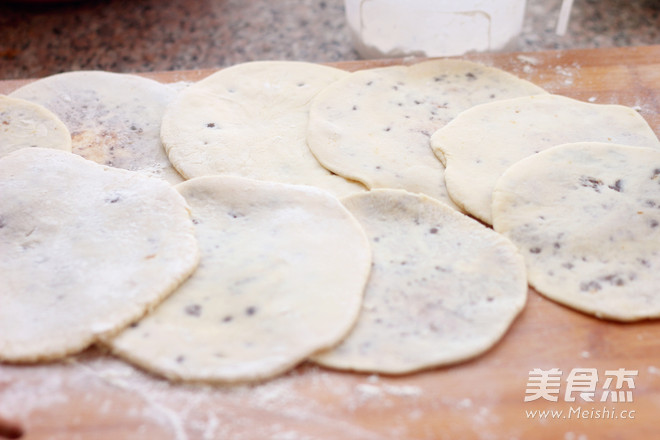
x=84 y=251
x=25 y=124
x=586 y=217
x=374 y=125
x=443 y=288
x=482 y=142
x=282 y=275
x=249 y=120
x=114 y=118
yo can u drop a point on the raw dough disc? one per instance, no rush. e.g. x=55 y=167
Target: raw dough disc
x=25 y=124
x=586 y=217
x=482 y=142
x=374 y=125
x=84 y=251
x=250 y=120
x=114 y=118
x=443 y=288
x=282 y=276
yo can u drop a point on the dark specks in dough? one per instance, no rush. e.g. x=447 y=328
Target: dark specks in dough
x=250 y=310
x=180 y=359
x=471 y=76
x=193 y=310
x=617 y=186
x=614 y=280
x=653 y=223
x=3 y=222
x=591 y=182
x=211 y=125
x=591 y=286
x=227 y=318
x=535 y=250
x=611 y=279
x=433 y=230
x=656 y=173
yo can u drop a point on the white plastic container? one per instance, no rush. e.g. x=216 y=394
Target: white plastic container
x=394 y=28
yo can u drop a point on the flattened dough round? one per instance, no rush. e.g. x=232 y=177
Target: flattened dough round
x=586 y=217
x=374 y=125
x=481 y=143
x=24 y=124
x=281 y=276
x=443 y=288
x=249 y=120
x=114 y=118
x=84 y=251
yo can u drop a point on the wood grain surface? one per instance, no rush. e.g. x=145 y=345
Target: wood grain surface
x=96 y=396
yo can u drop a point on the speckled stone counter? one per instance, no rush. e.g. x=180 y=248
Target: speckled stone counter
x=154 y=35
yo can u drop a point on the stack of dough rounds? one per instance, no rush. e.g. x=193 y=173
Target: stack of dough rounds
x=482 y=142
x=281 y=276
x=114 y=118
x=249 y=120
x=85 y=250
x=374 y=125
x=443 y=288
x=25 y=124
x=586 y=217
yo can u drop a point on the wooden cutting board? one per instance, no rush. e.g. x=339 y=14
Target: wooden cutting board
x=96 y=396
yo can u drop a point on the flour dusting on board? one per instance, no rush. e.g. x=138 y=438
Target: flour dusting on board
x=308 y=403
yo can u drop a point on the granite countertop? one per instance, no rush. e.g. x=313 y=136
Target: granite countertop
x=154 y=35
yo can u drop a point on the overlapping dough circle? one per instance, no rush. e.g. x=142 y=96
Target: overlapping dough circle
x=25 y=124
x=586 y=217
x=443 y=288
x=85 y=250
x=114 y=118
x=281 y=276
x=374 y=125
x=249 y=120
x=482 y=142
